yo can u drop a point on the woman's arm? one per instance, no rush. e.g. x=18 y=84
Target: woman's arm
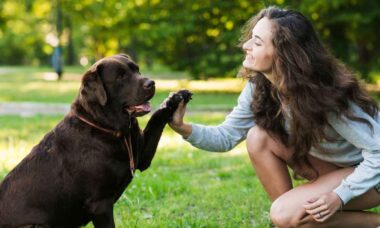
x=224 y=136
x=367 y=174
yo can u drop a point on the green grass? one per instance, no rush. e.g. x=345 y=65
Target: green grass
x=184 y=187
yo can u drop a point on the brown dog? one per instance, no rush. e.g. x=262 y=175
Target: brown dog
x=80 y=168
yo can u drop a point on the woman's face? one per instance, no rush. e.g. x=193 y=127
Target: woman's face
x=259 y=49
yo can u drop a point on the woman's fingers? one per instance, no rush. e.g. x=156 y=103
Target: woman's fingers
x=312 y=200
x=181 y=109
x=324 y=207
x=323 y=216
x=315 y=204
x=178 y=115
x=318 y=209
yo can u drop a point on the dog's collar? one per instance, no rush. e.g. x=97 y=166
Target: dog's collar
x=117 y=134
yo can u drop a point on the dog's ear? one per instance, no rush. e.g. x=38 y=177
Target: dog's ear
x=92 y=87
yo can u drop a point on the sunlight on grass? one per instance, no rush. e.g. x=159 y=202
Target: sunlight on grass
x=60 y=87
x=13 y=151
x=22 y=87
x=169 y=141
x=232 y=85
x=16 y=143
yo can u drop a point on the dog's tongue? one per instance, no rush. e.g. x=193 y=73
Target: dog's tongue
x=139 y=110
x=143 y=107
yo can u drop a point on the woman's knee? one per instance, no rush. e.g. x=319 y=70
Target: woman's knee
x=257 y=141
x=283 y=215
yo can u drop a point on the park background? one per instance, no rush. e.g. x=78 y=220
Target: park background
x=180 y=44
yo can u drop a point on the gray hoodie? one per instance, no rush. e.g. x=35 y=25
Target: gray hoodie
x=355 y=145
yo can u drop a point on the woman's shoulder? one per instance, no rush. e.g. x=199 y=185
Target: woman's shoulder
x=248 y=90
x=357 y=111
x=358 y=115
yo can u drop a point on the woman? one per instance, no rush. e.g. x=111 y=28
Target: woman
x=301 y=108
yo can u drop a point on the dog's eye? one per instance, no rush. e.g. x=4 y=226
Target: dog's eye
x=120 y=74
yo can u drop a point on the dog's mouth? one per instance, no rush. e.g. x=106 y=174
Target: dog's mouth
x=139 y=110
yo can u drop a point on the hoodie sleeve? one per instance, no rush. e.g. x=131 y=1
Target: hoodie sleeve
x=233 y=130
x=367 y=174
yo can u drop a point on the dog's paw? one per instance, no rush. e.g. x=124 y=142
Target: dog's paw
x=175 y=98
x=170 y=105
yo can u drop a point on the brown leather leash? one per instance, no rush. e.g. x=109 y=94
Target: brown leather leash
x=117 y=134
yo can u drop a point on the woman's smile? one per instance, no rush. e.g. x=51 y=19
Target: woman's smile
x=248 y=57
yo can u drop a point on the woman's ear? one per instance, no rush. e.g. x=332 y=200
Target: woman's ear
x=92 y=89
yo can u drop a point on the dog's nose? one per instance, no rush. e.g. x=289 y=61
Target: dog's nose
x=148 y=84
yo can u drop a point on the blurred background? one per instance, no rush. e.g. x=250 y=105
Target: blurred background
x=47 y=45
x=199 y=37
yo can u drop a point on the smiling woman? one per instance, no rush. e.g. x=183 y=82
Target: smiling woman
x=259 y=48
x=304 y=109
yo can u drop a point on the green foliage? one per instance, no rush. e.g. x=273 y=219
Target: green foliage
x=22 y=39
x=350 y=28
x=199 y=36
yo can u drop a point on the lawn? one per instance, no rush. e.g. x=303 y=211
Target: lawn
x=184 y=187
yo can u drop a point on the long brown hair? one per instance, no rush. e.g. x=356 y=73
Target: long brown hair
x=308 y=81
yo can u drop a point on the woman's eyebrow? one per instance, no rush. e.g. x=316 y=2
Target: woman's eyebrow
x=258 y=37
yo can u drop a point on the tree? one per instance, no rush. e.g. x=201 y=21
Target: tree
x=25 y=26
x=198 y=36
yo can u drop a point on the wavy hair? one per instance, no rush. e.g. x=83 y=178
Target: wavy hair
x=308 y=81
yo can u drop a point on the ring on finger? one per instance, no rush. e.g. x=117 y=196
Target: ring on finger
x=319 y=214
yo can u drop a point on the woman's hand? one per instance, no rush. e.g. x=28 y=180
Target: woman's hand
x=176 y=122
x=177 y=119
x=323 y=207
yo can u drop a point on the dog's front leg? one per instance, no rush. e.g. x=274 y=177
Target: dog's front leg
x=104 y=220
x=102 y=213
x=155 y=126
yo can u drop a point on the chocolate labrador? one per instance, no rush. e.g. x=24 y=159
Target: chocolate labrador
x=80 y=168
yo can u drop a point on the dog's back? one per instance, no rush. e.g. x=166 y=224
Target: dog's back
x=33 y=187
x=60 y=176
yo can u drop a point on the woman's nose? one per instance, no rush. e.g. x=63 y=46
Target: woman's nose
x=247 y=45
